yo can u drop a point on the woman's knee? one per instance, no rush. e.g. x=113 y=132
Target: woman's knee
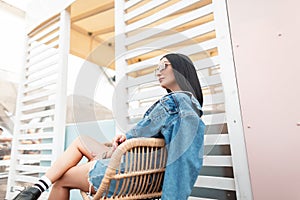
x=64 y=181
x=82 y=139
x=78 y=139
x=78 y=142
x=58 y=184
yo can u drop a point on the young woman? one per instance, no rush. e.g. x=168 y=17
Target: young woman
x=175 y=117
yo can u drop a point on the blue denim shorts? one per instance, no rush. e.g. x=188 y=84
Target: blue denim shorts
x=97 y=172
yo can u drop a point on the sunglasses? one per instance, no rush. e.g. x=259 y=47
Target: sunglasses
x=161 y=67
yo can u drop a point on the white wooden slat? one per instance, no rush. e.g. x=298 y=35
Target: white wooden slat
x=38 y=157
x=36 y=44
x=31 y=168
x=41 y=76
x=204 y=80
x=38 y=95
x=153 y=92
x=47 y=124
x=160 y=14
x=157 y=91
x=140 y=80
x=41 y=114
x=217 y=161
x=40 y=86
x=144 y=85
x=200 y=64
x=4 y=162
x=50 y=54
x=199 y=47
x=174 y=39
x=143 y=65
x=47 y=146
x=43 y=49
x=207 y=63
x=143 y=9
x=3 y=174
x=216 y=139
x=26 y=179
x=131 y=3
x=220 y=183
x=170 y=24
x=40 y=66
x=34 y=136
x=219 y=118
x=45 y=31
x=209 y=80
x=199 y=198
x=213 y=99
x=42 y=104
x=208 y=111
x=192 y=49
x=216 y=129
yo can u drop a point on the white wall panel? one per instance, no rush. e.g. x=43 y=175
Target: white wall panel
x=199 y=29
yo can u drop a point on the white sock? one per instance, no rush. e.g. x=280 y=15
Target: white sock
x=43 y=184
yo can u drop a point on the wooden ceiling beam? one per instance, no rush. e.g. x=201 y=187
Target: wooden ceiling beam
x=80 y=29
x=104 y=31
x=93 y=12
x=85 y=32
x=91 y=34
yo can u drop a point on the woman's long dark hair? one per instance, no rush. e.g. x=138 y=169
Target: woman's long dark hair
x=185 y=74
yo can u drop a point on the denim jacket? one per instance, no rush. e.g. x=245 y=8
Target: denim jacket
x=175 y=118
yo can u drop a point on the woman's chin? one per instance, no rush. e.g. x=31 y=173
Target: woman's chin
x=163 y=86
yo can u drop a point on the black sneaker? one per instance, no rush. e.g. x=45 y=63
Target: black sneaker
x=30 y=193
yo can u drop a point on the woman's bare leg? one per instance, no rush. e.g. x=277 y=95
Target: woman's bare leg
x=65 y=173
x=75 y=177
x=81 y=146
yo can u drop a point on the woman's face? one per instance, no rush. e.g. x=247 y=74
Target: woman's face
x=165 y=75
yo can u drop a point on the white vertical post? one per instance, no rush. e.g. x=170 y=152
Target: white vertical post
x=232 y=104
x=121 y=65
x=60 y=106
x=120 y=38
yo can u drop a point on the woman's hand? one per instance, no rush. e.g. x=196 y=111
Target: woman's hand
x=118 y=139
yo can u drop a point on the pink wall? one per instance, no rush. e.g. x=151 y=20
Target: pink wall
x=266 y=45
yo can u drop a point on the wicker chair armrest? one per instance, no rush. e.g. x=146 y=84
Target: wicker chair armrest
x=117 y=157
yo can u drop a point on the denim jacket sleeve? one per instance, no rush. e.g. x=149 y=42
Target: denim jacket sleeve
x=185 y=157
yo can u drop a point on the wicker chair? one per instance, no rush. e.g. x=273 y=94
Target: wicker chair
x=137 y=168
